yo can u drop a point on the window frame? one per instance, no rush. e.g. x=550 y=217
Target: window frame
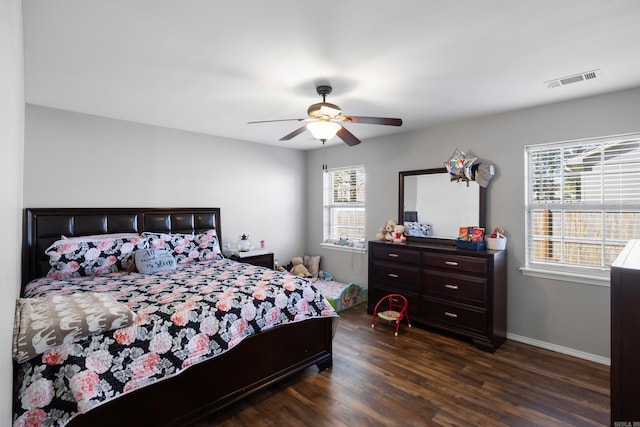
x=594 y=275
x=330 y=207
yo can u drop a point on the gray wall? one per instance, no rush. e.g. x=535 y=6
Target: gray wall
x=11 y=147
x=570 y=317
x=79 y=160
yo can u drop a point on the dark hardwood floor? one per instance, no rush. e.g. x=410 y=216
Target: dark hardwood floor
x=422 y=378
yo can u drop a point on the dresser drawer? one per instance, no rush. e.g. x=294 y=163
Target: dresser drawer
x=456 y=287
x=395 y=254
x=397 y=276
x=467 y=318
x=455 y=262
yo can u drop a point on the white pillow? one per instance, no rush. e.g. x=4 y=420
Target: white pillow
x=149 y=261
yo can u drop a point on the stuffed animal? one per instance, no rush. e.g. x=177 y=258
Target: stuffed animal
x=398 y=233
x=298 y=268
x=386 y=232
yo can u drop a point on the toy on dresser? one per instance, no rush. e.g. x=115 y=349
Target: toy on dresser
x=392 y=232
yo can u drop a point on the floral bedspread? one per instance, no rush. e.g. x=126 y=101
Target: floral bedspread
x=183 y=317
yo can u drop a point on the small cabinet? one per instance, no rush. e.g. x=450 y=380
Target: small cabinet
x=454 y=290
x=262 y=260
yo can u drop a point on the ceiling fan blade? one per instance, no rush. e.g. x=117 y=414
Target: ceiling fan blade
x=294 y=133
x=349 y=138
x=279 y=120
x=374 y=120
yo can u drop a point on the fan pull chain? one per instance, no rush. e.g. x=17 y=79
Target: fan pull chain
x=324 y=156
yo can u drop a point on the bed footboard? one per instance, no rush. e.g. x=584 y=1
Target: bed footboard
x=203 y=389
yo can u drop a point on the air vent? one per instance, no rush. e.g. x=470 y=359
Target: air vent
x=563 y=81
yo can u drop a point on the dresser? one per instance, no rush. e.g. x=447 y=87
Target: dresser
x=458 y=291
x=625 y=336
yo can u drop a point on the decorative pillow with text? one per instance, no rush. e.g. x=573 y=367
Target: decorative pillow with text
x=149 y=261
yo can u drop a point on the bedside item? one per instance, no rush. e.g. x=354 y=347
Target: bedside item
x=258 y=257
x=244 y=244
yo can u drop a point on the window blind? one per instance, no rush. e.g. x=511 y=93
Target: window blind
x=344 y=203
x=583 y=201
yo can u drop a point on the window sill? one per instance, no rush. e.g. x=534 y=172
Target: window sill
x=343 y=248
x=584 y=279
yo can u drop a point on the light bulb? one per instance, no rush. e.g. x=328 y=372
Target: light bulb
x=323 y=130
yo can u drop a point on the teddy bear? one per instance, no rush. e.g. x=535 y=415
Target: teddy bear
x=398 y=233
x=298 y=268
x=386 y=232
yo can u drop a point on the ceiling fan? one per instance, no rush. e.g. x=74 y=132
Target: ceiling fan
x=325 y=121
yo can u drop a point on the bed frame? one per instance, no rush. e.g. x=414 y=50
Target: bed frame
x=203 y=389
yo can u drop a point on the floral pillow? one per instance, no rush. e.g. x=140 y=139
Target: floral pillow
x=93 y=255
x=187 y=248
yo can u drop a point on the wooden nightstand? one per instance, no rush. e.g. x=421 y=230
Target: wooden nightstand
x=262 y=260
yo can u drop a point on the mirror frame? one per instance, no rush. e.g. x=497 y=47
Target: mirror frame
x=482 y=206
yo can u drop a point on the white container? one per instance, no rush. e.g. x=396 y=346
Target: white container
x=496 y=244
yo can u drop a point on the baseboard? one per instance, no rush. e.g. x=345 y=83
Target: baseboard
x=560 y=349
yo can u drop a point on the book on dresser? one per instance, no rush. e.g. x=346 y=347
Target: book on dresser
x=463 y=292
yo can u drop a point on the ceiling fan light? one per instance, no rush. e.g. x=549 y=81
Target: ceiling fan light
x=323 y=130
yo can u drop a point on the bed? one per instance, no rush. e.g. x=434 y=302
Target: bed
x=205 y=383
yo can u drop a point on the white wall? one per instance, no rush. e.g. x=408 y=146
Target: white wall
x=79 y=160
x=11 y=151
x=572 y=316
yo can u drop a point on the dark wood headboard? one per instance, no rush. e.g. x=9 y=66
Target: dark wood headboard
x=43 y=226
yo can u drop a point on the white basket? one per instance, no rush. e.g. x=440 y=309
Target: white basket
x=496 y=244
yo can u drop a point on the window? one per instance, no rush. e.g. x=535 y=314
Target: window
x=582 y=203
x=343 y=205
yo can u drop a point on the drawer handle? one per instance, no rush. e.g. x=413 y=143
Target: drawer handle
x=394 y=255
x=448 y=314
x=395 y=276
x=451 y=263
x=451 y=286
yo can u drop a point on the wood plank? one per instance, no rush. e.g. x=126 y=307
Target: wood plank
x=423 y=378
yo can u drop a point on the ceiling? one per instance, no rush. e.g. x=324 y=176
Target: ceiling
x=211 y=66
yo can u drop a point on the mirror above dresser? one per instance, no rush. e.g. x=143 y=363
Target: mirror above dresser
x=436 y=207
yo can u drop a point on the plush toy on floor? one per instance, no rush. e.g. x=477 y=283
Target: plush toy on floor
x=298 y=268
